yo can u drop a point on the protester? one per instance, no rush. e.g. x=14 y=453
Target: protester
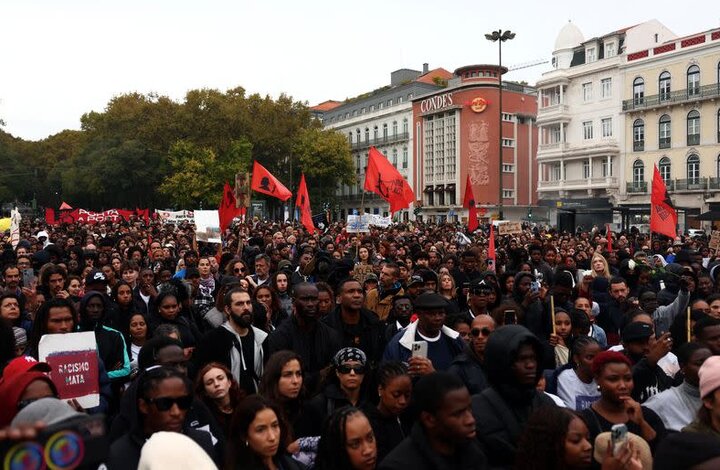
x=219 y=391
x=470 y=364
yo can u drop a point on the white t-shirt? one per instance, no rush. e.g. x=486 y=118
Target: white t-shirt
x=576 y=394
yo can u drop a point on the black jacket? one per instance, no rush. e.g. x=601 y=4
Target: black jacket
x=502 y=409
x=468 y=368
x=316 y=347
x=389 y=431
x=189 y=332
x=322 y=405
x=415 y=453
x=368 y=335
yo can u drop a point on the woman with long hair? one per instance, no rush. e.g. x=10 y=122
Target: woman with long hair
x=389 y=419
x=575 y=383
x=280 y=281
x=268 y=298
x=258 y=437
x=447 y=288
x=217 y=388
x=123 y=305
x=599 y=266
x=347 y=442
x=136 y=334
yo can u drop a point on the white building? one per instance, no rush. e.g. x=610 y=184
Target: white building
x=381 y=118
x=581 y=124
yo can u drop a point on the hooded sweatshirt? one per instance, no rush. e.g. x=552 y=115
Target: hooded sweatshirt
x=502 y=409
x=110 y=342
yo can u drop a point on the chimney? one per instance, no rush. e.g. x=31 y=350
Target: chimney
x=426 y=69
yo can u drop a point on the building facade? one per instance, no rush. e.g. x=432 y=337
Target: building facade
x=582 y=125
x=672 y=120
x=381 y=118
x=457 y=133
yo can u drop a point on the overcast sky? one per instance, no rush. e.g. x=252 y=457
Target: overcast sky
x=62 y=58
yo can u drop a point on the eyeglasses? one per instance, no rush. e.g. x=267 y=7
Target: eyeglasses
x=346 y=369
x=477 y=331
x=165 y=403
x=239 y=270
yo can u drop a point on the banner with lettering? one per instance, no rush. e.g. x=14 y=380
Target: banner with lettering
x=73 y=358
x=175 y=217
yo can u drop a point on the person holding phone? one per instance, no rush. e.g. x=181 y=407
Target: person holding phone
x=443 y=344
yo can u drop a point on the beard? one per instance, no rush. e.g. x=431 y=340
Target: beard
x=244 y=320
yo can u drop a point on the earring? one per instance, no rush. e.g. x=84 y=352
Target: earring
x=598 y=387
x=247 y=444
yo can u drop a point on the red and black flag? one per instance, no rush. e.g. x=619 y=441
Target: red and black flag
x=264 y=182
x=469 y=203
x=303 y=204
x=663 y=217
x=384 y=180
x=228 y=209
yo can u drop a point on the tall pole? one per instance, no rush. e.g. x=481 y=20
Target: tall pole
x=500 y=134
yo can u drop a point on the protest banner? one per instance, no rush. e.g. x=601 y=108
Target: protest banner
x=175 y=217
x=358 y=224
x=509 y=228
x=379 y=221
x=714 y=243
x=73 y=358
x=207 y=226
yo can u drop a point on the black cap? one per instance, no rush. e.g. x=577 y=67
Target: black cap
x=95 y=276
x=415 y=280
x=480 y=284
x=430 y=301
x=428 y=275
x=636 y=331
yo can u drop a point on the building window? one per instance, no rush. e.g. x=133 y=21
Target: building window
x=405 y=126
x=717 y=164
x=400 y=99
x=664 y=86
x=385 y=132
x=638 y=172
x=508 y=193
x=693 y=127
x=556 y=172
x=606 y=87
x=587 y=130
x=394 y=128
x=638 y=135
x=664 y=168
x=350 y=138
x=507 y=117
x=367 y=135
x=508 y=143
x=587 y=91
x=389 y=102
x=354 y=112
x=664 y=132
x=451 y=198
x=693 y=169
x=590 y=55
x=638 y=91
x=405 y=157
x=607 y=167
x=693 y=80
x=372 y=108
x=610 y=50
x=394 y=158
x=586 y=169
x=375 y=133
x=380 y=105
x=607 y=130
x=508 y=168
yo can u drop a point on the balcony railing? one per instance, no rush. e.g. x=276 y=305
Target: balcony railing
x=693 y=184
x=391 y=139
x=664 y=143
x=637 y=187
x=693 y=139
x=638 y=146
x=674 y=97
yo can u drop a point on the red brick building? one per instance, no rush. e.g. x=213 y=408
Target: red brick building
x=456 y=134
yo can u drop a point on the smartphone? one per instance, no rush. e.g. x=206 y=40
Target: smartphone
x=510 y=317
x=618 y=438
x=535 y=287
x=419 y=349
x=29 y=278
x=74 y=443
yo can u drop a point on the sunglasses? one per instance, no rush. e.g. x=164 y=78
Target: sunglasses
x=477 y=331
x=345 y=369
x=165 y=403
x=481 y=291
x=239 y=270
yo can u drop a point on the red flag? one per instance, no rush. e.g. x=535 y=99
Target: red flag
x=608 y=235
x=491 y=248
x=50 y=216
x=303 y=204
x=264 y=182
x=227 y=210
x=469 y=203
x=384 y=180
x=663 y=218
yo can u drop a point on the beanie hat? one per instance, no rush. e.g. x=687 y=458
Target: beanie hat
x=12 y=387
x=161 y=451
x=49 y=410
x=709 y=376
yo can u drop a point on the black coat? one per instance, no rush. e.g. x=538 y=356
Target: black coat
x=415 y=453
x=316 y=348
x=322 y=405
x=389 y=431
x=368 y=335
x=470 y=371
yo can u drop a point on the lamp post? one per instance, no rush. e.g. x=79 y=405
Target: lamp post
x=500 y=37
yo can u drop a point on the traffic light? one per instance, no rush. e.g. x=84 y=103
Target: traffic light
x=529 y=213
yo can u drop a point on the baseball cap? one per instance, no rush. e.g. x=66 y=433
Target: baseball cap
x=23 y=364
x=636 y=331
x=95 y=276
x=415 y=280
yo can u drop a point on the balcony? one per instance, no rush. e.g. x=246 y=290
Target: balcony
x=600 y=182
x=664 y=143
x=693 y=139
x=391 y=139
x=638 y=146
x=694 y=184
x=637 y=187
x=553 y=113
x=674 y=97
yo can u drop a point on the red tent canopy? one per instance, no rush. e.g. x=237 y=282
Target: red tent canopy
x=65 y=206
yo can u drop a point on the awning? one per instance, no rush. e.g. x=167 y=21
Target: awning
x=709 y=215
x=439 y=188
x=450 y=187
x=428 y=189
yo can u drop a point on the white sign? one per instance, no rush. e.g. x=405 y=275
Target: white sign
x=207 y=226
x=509 y=228
x=358 y=224
x=73 y=359
x=175 y=217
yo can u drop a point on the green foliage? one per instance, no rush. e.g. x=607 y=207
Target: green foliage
x=324 y=157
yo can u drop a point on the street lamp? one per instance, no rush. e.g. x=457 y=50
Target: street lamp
x=500 y=37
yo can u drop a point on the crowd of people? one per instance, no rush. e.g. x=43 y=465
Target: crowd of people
x=405 y=347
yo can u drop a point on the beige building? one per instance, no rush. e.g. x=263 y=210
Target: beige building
x=671 y=106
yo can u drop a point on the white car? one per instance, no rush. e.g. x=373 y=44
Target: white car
x=696 y=232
